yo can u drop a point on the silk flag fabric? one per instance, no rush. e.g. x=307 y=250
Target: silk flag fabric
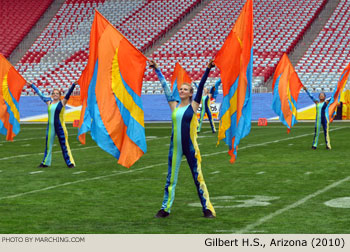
x=286 y=86
x=114 y=95
x=99 y=24
x=235 y=61
x=335 y=99
x=11 y=85
x=179 y=77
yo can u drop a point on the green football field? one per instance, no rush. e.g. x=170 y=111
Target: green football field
x=278 y=184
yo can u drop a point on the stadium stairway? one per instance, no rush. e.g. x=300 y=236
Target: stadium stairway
x=309 y=36
x=177 y=27
x=37 y=29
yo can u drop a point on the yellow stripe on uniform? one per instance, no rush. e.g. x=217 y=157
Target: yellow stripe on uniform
x=66 y=135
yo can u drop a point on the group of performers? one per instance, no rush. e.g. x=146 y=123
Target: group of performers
x=185 y=127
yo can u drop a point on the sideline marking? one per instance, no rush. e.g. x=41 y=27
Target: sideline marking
x=129 y=171
x=291 y=206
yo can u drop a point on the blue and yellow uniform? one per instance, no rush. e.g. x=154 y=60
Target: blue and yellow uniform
x=321 y=119
x=206 y=110
x=56 y=126
x=184 y=142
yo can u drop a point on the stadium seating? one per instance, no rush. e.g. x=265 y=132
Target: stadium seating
x=60 y=53
x=320 y=67
x=17 y=18
x=277 y=29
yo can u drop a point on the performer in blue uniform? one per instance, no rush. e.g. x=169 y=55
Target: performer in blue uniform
x=322 y=118
x=56 y=125
x=206 y=110
x=184 y=142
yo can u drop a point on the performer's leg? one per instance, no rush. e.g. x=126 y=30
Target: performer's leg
x=62 y=135
x=50 y=137
x=174 y=162
x=317 y=133
x=325 y=125
x=201 y=118
x=210 y=118
x=195 y=166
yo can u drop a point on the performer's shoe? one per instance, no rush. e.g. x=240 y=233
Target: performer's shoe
x=328 y=148
x=208 y=214
x=161 y=214
x=313 y=147
x=71 y=166
x=42 y=166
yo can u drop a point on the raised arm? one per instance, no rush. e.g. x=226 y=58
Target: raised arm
x=198 y=97
x=167 y=91
x=44 y=98
x=310 y=95
x=70 y=91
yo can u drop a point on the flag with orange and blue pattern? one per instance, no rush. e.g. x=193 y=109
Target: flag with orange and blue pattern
x=11 y=85
x=285 y=88
x=235 y=61
x=113 y=94
x=179 y=77
x=335 y=99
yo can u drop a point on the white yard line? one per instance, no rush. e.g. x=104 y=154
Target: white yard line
x=82 y=148
x=130 y=171
x=35 y=172
x=79 y=172
x=77 y=181
x=291 y=206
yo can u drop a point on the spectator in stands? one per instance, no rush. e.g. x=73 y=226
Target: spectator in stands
x=56 y=125
x=321 y=118
x=184 y=142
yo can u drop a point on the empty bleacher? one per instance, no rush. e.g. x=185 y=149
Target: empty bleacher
x=17 y=18
x=277 y=29
x=60 y=53
x=320 y=67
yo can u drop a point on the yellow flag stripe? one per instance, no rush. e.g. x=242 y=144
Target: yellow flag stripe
x=8 y=98
x=123 y=95
x=225 y=122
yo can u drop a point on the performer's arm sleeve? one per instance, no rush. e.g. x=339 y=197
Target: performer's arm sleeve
x=168 y=94
x=40 y=94
x=199 y=93
x=310 y=95
x=70 y=91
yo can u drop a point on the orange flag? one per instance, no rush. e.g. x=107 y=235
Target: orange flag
x=286 y=87
x=235 y=61
x=179 y=77
x=113 y=102
x=11 y=85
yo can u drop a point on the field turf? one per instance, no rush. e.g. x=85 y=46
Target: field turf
x=278 y=184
